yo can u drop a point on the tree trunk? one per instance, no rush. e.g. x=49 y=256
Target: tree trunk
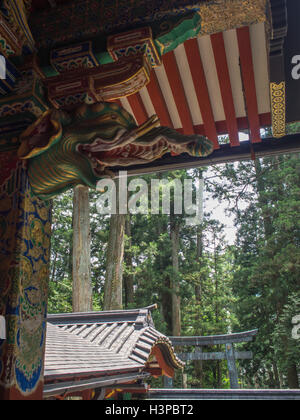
x=262 y=201
x=165 y=294
x=71 y=256
x=217 y=309
x=82 y=287
x=198 y=286
x=176 y=314
x=198 y=364
x=278 y=385
x=128 y=278
x=53 y=271
x=293 y=381
x=113 y=290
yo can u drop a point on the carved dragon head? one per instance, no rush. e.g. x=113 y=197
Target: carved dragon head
x=65 y=149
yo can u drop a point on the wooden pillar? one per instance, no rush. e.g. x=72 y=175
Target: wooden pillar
x=24 y=259
x=82 y=287
x=176 y=301
x=113 y=289
x=184 y=381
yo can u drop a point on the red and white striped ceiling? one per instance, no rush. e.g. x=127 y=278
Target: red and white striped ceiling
x=211 y=85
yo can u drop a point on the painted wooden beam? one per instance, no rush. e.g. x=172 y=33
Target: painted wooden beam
x=225 y=86
x=226 y=154
x=199 y=80
x=246 y=60
x=158 y=101
x=242 y=122
x=166 y=369
x=223 y=394
x=138 y=108
x=171 y=67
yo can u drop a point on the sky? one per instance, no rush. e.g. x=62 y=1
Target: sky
x=218 y=209
x=218 y=212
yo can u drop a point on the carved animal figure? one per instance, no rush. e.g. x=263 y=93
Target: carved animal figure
x=65 y=149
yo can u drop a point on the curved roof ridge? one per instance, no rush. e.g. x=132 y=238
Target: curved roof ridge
x=165 y=344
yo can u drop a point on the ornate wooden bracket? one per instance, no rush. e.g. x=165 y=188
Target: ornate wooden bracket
x=132 y=43
x=14 y=30
x=134 y=54
x=108 y=82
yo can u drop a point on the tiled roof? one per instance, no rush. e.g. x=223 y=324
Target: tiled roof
x=98 y=344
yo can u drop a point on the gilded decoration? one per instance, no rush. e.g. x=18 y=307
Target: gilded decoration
x=24 y=258
x=14 y=29
x=94 y=18
x=116 y=24
x=222 y=15
x=278 y=105
x=9 y=43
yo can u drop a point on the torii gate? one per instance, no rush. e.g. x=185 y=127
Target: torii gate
x=230 y=354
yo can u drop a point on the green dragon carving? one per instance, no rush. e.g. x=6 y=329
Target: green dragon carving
x=65 y=149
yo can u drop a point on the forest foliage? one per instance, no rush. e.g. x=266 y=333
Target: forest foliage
x=251 y=282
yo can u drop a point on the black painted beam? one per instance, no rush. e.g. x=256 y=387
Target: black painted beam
x=226 y=154
x=223 y=394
